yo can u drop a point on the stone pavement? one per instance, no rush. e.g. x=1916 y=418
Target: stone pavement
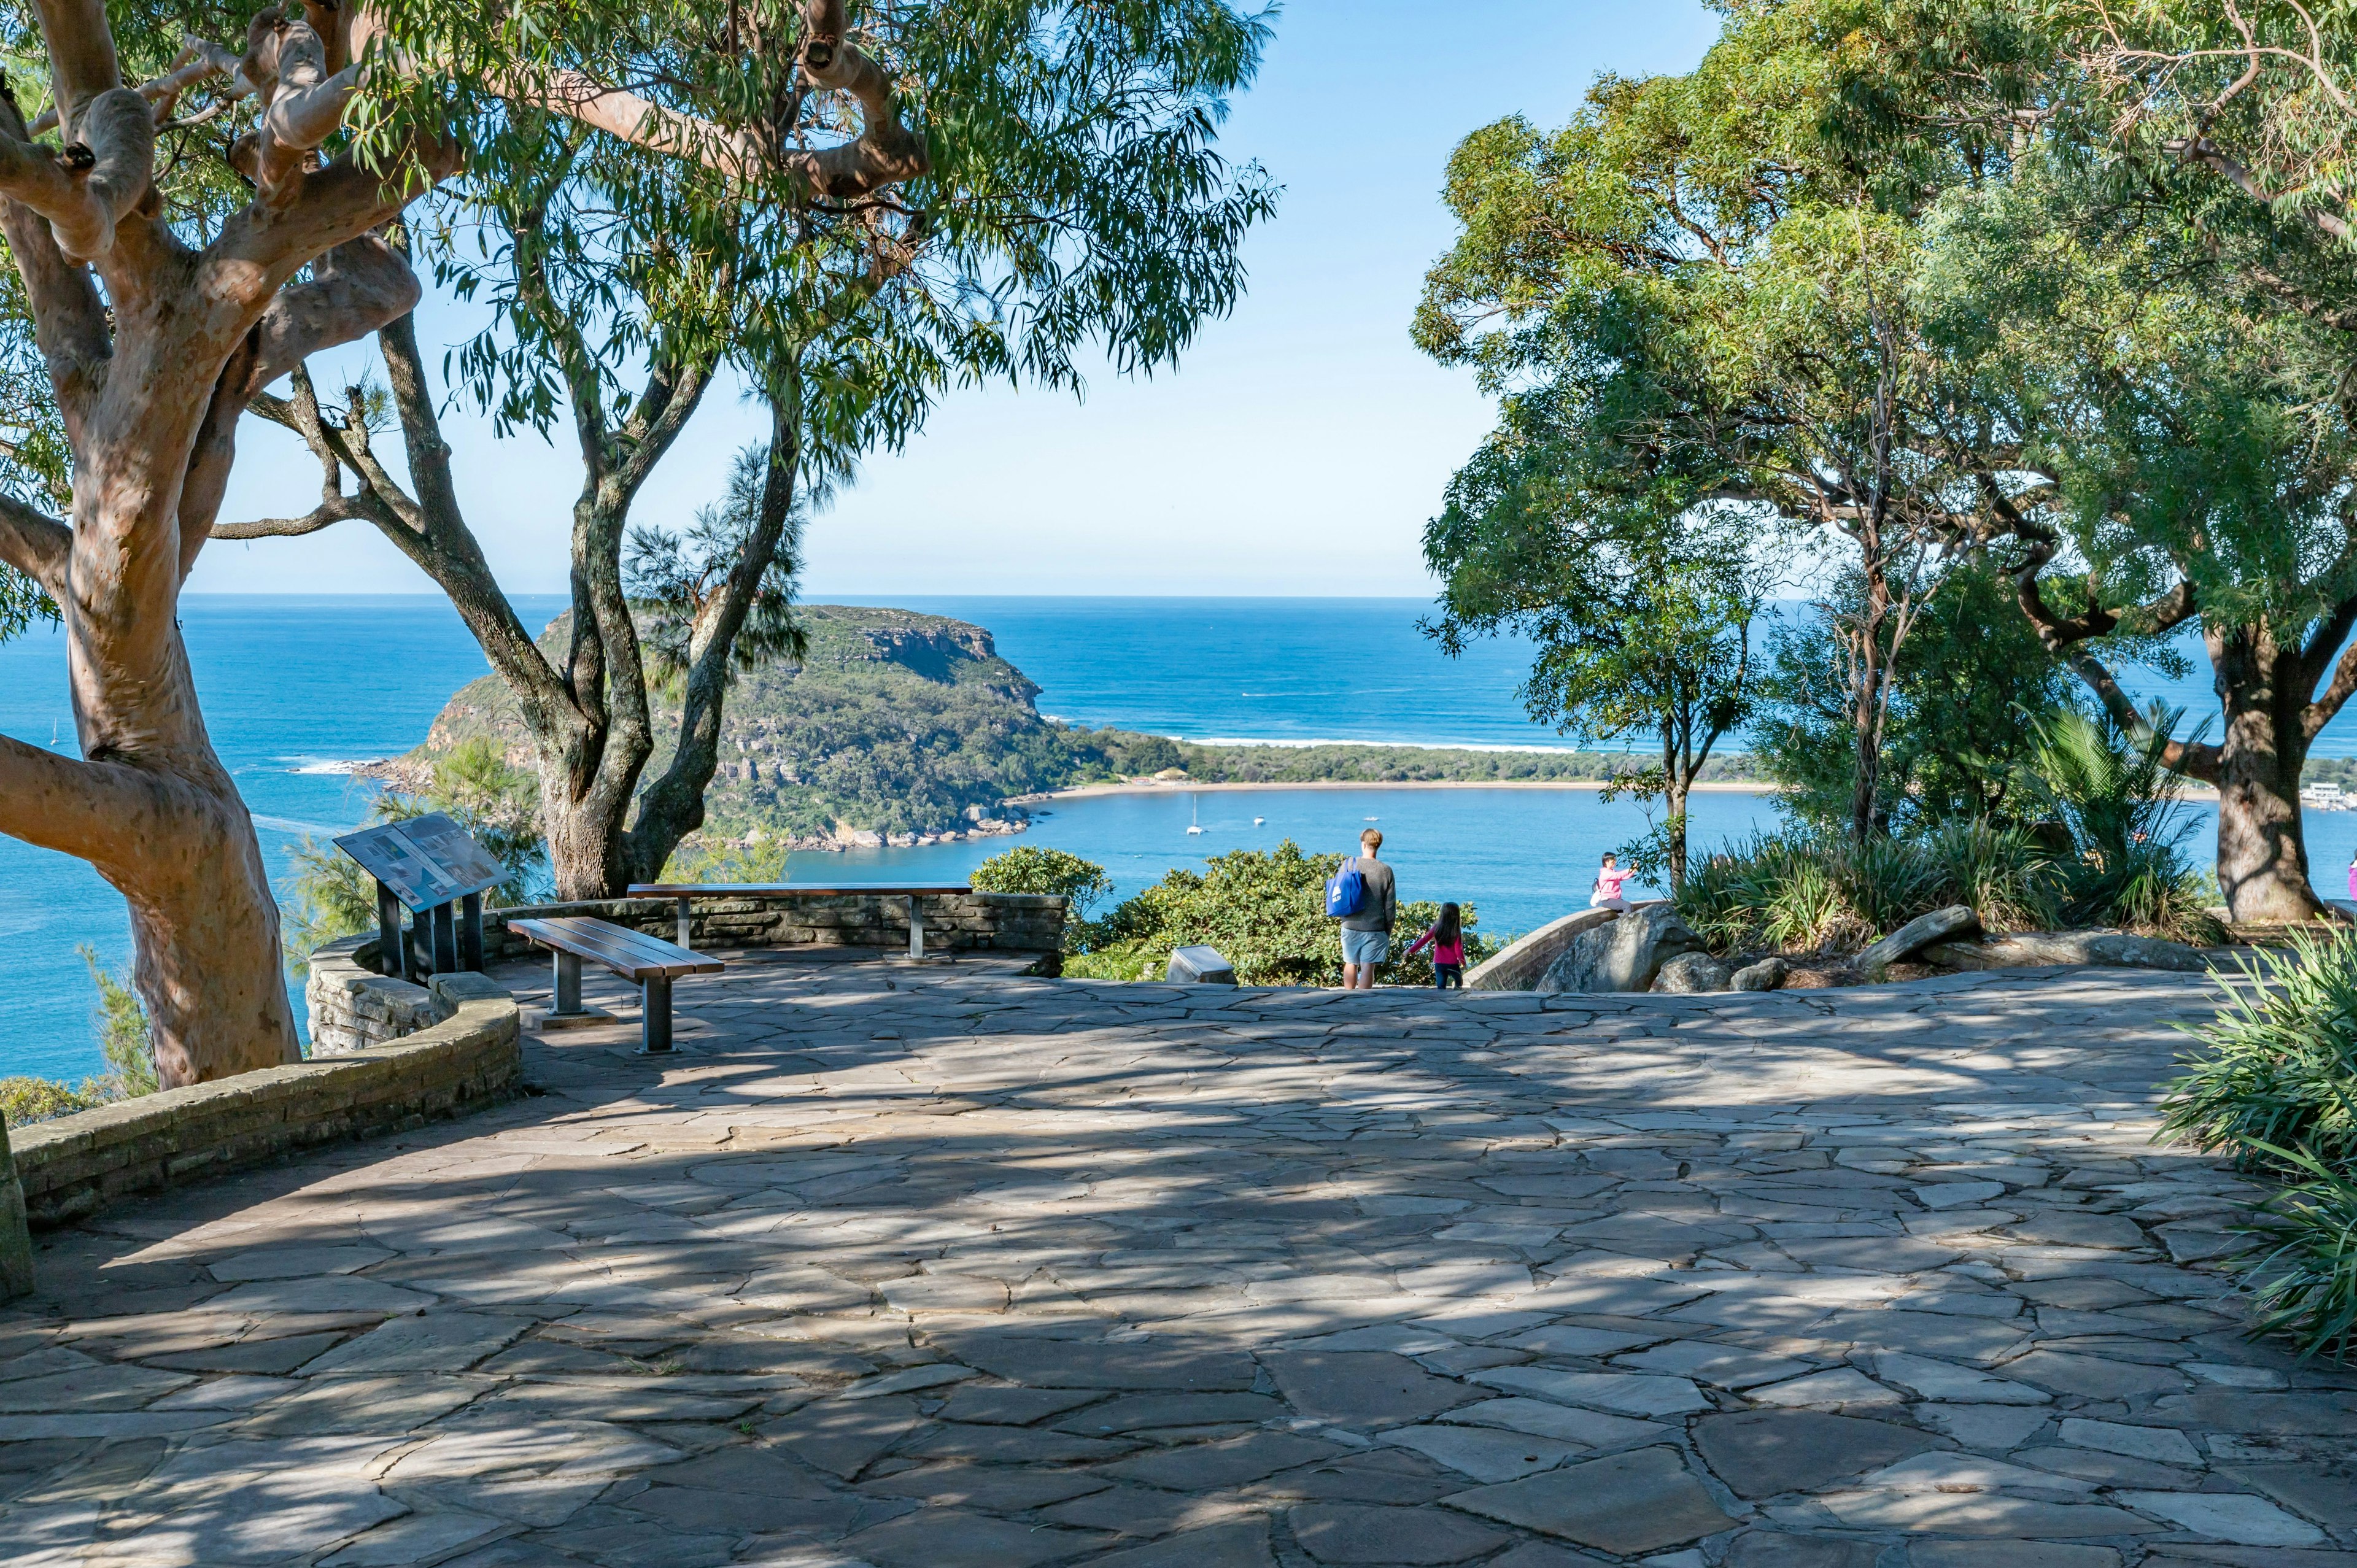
x=947 y=1268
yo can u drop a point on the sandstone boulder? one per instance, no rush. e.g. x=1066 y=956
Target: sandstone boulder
x=2037 y=948
x=1947 y=925
x=1626 y=955
x=1691 y=973
x=1768 y=974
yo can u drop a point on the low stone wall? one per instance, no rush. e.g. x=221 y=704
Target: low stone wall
x=78 y=1165
x=1520 y=965
x=972 y=922
x=353 y=1008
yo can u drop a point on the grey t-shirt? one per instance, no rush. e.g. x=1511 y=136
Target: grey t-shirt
x=1380 y=905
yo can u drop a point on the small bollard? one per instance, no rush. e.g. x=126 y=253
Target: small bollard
x=1201 y=966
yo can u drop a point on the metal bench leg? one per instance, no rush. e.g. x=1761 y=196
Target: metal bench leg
x=686 y=925
x=916 y=929
x=568 y=986
x=655 y=1032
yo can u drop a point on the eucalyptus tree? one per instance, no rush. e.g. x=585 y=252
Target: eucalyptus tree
x=2156 y=274
x=1034 y=181
x=1642 y=617
x=189 y=220
x=1713 y=308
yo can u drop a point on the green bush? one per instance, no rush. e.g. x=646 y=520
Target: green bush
x=1825 y=892
x=2278 y=1066
x=1265 y=912
x=2126 y=817
x=1029 y=868
x=123 y=1040
x=701 y=860
x=2273 y=1081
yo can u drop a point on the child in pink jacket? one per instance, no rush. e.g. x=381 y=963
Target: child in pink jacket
x=1446 y=940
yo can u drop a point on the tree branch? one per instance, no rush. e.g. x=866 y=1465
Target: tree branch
x=327 y=514
x=34 y=544
x=77 y=808
x=83 y=64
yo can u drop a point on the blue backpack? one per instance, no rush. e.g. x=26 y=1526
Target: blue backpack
x=1346 y=891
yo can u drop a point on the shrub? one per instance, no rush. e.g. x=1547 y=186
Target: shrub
x=701 y=860
x=1827 y=892
x=123 y=1040
x=25 y=1101
x=2126 y=814
x=1028 y=868
x=2278 y=1066
x=2306 y=1286
x=1267 y=914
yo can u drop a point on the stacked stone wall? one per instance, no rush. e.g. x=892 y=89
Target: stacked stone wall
x=75 y=1165
x=971 y=922
x=352 y=1007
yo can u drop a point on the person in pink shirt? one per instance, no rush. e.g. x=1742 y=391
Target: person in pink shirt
x=1446 y=940
x=1606 y=892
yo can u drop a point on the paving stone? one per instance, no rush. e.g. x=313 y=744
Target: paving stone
x=1938 y=1335
x=2065 y=1228
x=1631 y=1393
x=2325 y=1493
x=1393 y=1476
x=1721 y=1366
x=1984 y=1425
x=1981 y=1514
x=437 y=1342
x=2092 y=1376
x=417 y=1538
x=1014 y=1407
x=1942 y=1381
x=1214 y=1467
x=1486 y=1453
x=2227 y=1516
x=1362 y=1387
x=1759 y=1453
x=1967 y=1473
x=1627 y=1503
x=1776 y=1549
x=2164 y=1444
x=1239 y=1545
x=2008 y=1555
x=296 y=1263
x=1039 y=1361
x=1567 y=1424
x=101 y=1386
x=1353 y=1533
x=950 y=1538
x=1842 y=1386
x=843 y=1439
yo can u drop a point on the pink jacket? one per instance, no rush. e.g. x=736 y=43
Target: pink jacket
x=1442 y=952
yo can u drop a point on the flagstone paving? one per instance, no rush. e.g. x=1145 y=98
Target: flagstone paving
x=932 y=1267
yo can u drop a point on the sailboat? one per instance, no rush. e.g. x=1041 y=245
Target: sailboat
x=1193 y=824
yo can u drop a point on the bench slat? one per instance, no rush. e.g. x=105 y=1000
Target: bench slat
x=631 y=954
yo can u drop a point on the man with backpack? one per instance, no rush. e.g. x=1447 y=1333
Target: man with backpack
x=1364 y=895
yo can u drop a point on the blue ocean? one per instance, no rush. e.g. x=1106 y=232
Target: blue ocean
x=291 y=685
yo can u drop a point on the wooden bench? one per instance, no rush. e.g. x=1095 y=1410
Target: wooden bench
x=685 y=893
x=649 y=962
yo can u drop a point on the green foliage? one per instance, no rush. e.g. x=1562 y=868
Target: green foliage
x=122 y=1034
x=676 y=582
x=478 y=789
x=702 y=859
x=1265 y=911
x=25 y=1099
x=1826 y=891
x=2306 y=1286
x=1031 y=868
x=2272 y=1080
x=2278 y=1066
x=2127 y=821
x=1955 y=738
x=122 y=1041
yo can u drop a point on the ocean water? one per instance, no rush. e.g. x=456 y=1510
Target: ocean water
x=290 y=684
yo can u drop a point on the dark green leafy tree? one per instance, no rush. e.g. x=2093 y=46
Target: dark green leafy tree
x=1699 y=310
x=1642 y=622
x=678 y=581
x=1965 y=689
x=857 y=209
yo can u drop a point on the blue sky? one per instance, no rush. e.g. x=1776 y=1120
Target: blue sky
x=1297 y=450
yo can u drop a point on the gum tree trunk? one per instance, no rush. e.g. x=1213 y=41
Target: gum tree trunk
x=2261 y=839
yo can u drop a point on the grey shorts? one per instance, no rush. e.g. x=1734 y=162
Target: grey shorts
x=1365 y=947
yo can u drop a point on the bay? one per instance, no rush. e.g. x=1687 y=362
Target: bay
x=292 y=684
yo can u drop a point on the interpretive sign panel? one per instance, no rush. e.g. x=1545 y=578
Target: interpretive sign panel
x=426 y=862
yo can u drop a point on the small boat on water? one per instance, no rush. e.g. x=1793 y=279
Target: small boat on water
x=1194 y=825
x=1258 y=820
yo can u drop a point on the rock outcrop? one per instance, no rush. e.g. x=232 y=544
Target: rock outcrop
x=1768 y=974
x=2034 y=950
x=1948 y=924
x=1693 y=974
x=1626 y=955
